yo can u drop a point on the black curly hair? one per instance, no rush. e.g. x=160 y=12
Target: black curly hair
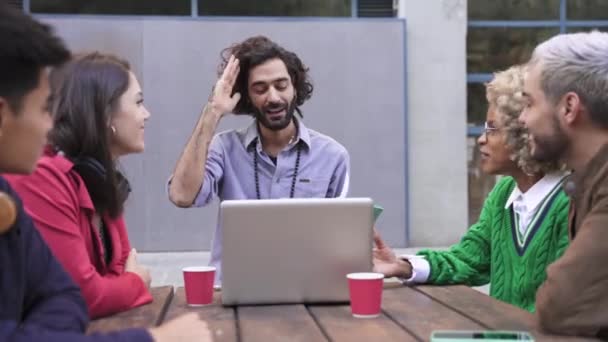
x=255 y=51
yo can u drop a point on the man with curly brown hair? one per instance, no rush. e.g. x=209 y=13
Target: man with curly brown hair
x=276 y=156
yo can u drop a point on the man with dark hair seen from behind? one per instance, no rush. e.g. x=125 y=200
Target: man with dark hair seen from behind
x=38 y=300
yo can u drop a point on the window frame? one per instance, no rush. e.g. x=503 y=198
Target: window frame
x=194 y=9
x=562 y=23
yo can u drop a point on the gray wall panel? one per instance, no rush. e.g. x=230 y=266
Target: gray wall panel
x=358 y=72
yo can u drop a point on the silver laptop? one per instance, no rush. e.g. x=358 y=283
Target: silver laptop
x=294 y=250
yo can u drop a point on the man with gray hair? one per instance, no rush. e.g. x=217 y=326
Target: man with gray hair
x=567 y=116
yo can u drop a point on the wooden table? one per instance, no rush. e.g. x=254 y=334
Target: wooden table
x=408 y=314
x=144 y=316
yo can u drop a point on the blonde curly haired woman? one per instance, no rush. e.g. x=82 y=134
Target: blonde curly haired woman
x=523 y=226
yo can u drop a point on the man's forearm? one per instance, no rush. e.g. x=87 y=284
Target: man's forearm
x=189 y=172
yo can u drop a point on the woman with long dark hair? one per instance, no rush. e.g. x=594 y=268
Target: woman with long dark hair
x=76 y=195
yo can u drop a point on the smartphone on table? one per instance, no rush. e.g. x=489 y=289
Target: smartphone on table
x=471 y=336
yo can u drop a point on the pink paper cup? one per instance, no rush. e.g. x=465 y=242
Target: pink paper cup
x=365 y=294
x=198 y=281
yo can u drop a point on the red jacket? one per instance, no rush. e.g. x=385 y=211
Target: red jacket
x=57 y=200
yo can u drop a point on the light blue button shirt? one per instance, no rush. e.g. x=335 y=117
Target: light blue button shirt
x=229 y=172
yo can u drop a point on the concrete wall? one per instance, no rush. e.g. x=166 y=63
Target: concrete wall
x=436 y=64
x=357 y=66
x=359 y=74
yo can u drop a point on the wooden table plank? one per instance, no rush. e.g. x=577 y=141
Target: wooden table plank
x=488 y=311
x=277 y=323
x=339 y=324
x=145 y=316
x=420 y=314
x=221 y=320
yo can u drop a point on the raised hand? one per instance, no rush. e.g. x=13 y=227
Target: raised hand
x=222 y=100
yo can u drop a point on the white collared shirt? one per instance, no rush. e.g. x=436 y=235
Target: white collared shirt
x=526 y=206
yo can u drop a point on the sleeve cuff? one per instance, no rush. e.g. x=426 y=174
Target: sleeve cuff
x=421 y=269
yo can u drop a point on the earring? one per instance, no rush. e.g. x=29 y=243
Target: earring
x=113 y=129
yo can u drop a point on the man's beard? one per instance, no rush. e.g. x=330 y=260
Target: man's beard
x=550 y=148
x=275 y=125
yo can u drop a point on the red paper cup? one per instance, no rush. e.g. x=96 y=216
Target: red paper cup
x=365 y=294
x=198 y=281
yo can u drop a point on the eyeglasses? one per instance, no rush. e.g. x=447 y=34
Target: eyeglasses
x=488 y=129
